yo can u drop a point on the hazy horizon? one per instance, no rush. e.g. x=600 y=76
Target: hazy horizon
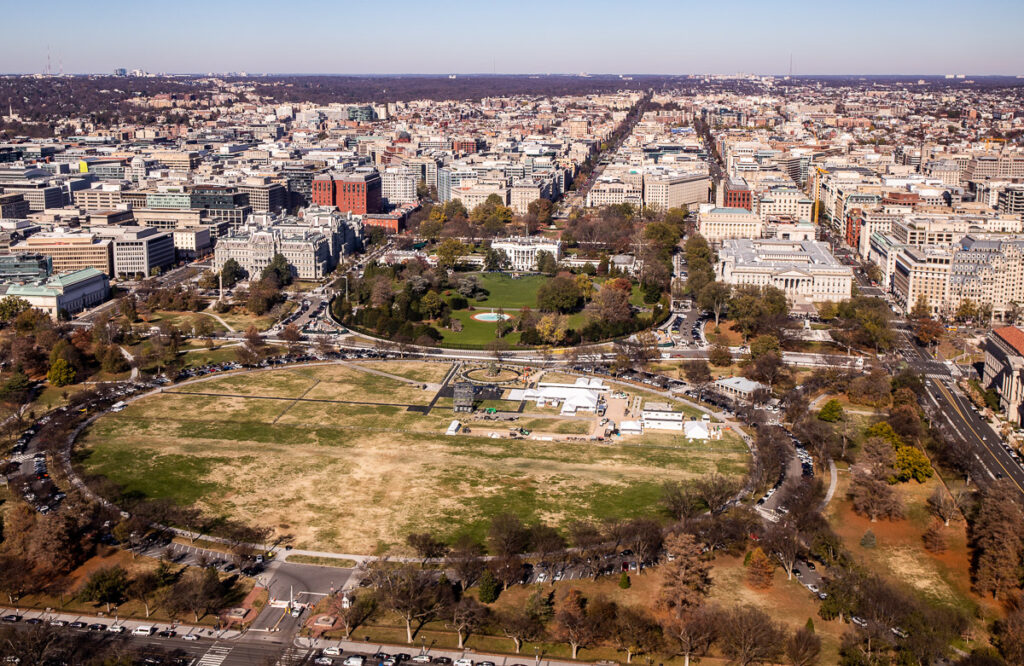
x=657 y=37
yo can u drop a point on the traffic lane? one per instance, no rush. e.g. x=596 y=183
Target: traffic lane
x=982 y=433
x=960 y=428
x=978 y=434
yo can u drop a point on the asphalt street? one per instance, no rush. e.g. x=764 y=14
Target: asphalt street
x=960 y=414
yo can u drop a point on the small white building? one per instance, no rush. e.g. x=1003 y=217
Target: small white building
x=631 y=428
x=661 y=416
x=738 y=388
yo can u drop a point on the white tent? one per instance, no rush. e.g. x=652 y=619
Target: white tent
x=695 y=430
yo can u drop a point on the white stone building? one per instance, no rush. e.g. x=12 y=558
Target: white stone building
x=804 y=270
x=522 y=250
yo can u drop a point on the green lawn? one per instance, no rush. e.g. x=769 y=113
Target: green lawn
x=508 y=292
x=474 y=333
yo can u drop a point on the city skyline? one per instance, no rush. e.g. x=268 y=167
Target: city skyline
x=534 y=38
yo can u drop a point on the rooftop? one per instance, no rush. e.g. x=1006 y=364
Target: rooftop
x=1012 y=336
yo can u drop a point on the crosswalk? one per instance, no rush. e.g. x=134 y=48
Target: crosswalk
x=293 y=655
x=215 y=656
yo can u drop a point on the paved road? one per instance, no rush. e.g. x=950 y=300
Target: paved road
x=960 y=415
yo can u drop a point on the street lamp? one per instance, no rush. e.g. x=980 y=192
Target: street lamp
x=536 y=655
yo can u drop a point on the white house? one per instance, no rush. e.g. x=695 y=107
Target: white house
x=522 y=250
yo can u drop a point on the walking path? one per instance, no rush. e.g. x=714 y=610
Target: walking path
x=833 y=477
x=218 y=317
x=131 y=360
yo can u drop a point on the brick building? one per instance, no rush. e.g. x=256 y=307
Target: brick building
x=357 y=192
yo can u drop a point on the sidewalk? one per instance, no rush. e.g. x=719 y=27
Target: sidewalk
x=128 y=624
x=371 y=648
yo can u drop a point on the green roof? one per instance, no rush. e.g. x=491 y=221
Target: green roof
x=74 y=277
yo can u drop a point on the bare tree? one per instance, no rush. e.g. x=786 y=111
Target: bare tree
x=427 y=546
x=693 y=633
x=715 y=490
x=575 y=624
x=679 y=500
x=466 y=560
x=352 y=609
x=943 y=505
x=520 y=625
x=875 y=498
x=635 y=632
x=507 y=535
x=783 y=543
x=407 y=591
x=142 y=588
x=751 y=636
x=466 y=616
x=803 y=648
x=644 y=538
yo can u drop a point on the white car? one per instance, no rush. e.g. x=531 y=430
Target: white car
x=422 y=659
x=144 y=630
x=355 y=660
x=190 y=637
x=116 y=629
x=463 y=662
x=331 y=651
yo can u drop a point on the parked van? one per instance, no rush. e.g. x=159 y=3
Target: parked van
x=144 y=630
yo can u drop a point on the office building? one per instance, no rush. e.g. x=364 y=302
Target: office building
x=138 y=250
x=398 y=186
x=720 y=224
x=264 y=196
x=804 y=270
x=664 y=191
x=71 y=250
x=357 y=192
x=13 y=206
x=306 y=250
x=1004 y=370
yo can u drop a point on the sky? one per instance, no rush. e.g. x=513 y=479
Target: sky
x=516 y=36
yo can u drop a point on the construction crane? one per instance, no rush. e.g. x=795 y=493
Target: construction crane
x=990 y=140
x=817 y=188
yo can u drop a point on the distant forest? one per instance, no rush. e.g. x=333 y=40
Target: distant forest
x=105 y=98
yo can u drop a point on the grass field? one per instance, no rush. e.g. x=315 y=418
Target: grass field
x=508 y=292
x=358 y=477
